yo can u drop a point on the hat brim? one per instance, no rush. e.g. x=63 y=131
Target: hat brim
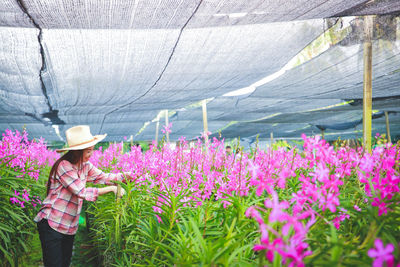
x=97 y=138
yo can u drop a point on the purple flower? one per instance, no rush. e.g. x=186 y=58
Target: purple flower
x=357 y=208
x=381 y=254
x=167 y=128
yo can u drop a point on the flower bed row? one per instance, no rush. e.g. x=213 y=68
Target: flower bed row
x=24 y=166
x=317 y=205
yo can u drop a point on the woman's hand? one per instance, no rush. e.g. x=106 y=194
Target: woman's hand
x=112 y=188
x=121 y=192
x=107 y=189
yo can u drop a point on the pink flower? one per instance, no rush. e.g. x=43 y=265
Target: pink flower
x=269 y=247
x=25 y=195
x=381 y=254
x=204 y=134
x=382 y=206
x=167 y=128
x=14 y=200
x=357 y=208
x=252 y=212
x=322 y=173
x=182 y=140
x=277 y=213
x=159 y=219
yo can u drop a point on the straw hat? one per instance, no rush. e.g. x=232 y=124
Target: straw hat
x=79 y=137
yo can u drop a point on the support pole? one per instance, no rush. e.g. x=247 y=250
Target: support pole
x=323 y=134
x=205 y=123
x=166 y=124
x=367 y=90
x=118 y=193
x=272 y=139
x=389 y=139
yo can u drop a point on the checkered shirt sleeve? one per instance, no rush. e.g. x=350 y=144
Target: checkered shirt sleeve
x=97 y=176
x=68 y=177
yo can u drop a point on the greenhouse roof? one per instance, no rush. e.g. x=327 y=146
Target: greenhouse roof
x=115 y=65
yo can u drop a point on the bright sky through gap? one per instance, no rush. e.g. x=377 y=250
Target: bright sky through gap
x=290 y=65
x=57 y=130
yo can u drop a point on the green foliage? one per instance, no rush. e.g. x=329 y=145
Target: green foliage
x=128 y=232
x=33 y=257
x=85 y=254
x=348 y=245
x=126 y=145
x=16 y=223
x=280 y=143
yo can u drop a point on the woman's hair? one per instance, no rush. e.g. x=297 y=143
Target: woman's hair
x=73 y=156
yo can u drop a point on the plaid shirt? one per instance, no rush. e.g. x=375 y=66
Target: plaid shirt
x=63 y=204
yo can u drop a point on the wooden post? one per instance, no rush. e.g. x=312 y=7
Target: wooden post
x=166 y=124
x=389 y=139
x=131 y=143
x=272 y=139
x=205 y=122
x=118 y=192
x=157 y=126
x=323 y=134
x=367 y=90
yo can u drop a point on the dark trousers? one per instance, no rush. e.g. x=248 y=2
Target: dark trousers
x=56 y=247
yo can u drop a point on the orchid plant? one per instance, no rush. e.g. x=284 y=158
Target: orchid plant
x=193 y=204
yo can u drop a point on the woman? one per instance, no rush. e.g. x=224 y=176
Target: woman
x=58 y=218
